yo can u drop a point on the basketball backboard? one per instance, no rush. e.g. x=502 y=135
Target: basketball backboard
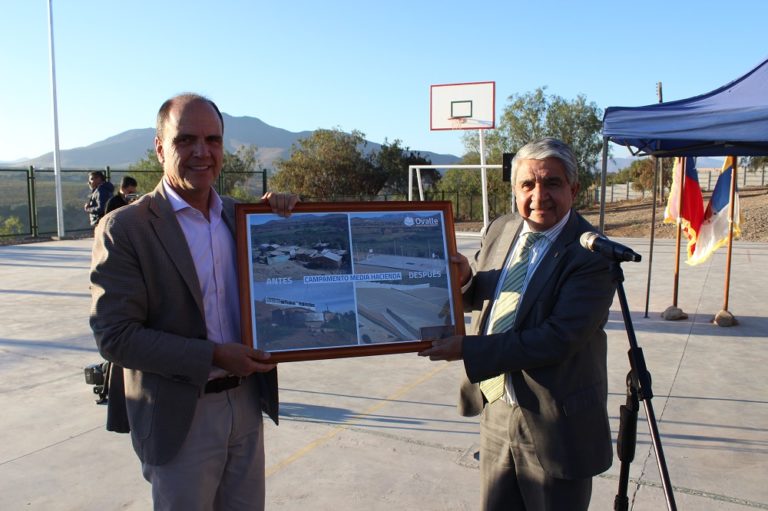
x=462 y=106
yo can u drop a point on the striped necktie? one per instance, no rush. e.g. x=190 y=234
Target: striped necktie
x=505 y=310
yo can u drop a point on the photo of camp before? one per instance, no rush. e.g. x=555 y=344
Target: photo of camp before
x=302 y=244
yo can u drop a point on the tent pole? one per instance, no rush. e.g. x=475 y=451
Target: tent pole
x=603 y=179
x=657 y=166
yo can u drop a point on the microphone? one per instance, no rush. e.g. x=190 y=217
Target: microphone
x=594 y=242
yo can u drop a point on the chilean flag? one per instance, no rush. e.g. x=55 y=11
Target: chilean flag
x=693 y=204
x=713 y=232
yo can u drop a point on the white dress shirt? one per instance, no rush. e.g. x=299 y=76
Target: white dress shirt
x=213 y=251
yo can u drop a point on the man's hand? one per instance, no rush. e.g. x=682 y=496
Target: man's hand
x=281 y=203
x=465 y=272
x=444 y=349
x=241 y=360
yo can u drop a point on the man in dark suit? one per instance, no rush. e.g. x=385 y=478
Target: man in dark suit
x=545 y=433
x=166 y=313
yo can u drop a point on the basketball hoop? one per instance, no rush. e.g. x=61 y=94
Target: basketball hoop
x=462 y=106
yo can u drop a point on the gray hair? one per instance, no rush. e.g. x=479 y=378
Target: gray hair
x=547 y=147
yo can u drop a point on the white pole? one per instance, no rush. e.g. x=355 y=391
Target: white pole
x=421 y=185
x=483 y=180
x=56 y=164
x=410 y=182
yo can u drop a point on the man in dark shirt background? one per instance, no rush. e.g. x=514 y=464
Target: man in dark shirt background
x=125 y=195
x=101 y=192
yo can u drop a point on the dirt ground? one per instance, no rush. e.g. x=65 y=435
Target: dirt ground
x=632 y=218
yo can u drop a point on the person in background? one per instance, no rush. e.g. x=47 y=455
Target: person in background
x=536 y=360
x=101 y=192
x=125 y=195
x=166 y=312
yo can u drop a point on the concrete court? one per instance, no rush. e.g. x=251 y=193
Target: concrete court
x=381 y=433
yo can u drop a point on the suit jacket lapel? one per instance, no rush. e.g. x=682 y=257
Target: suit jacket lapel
x=505 y=241
x=172 y=239
x=228 y=214
x=502 y=243
x=547 y=267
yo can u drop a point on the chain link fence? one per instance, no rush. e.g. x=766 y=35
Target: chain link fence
x=28 y=204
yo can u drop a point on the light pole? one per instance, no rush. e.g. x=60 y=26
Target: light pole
x=56 y=162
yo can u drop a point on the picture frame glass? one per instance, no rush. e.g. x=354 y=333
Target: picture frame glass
x=346 y=280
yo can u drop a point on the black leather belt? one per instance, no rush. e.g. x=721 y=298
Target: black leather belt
x=221 y=384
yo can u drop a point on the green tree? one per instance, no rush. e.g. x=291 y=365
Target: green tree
x=239 y=171
x=536 y=114
x=641 y=174
x=469 y=181
x=393 y=161
x=754 y=163
x=329 y=163
x=147 y=172
x=10 y=225
x=622 y=176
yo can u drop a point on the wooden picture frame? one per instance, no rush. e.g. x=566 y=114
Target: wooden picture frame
x=347 y=279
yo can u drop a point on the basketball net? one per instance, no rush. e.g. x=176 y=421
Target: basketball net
x=457 y=123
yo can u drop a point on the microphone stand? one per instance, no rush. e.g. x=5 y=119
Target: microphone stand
x=638 y=389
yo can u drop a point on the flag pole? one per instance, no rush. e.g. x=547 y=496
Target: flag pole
x=679 y=231
x=673 y=312
x=724 y=317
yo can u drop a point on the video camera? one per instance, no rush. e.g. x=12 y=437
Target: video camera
x=98 y=376
x=130 y=197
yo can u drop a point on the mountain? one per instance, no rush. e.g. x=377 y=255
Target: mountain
x=128 y=147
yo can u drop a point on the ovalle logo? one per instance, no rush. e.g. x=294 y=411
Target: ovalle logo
x=410 y=221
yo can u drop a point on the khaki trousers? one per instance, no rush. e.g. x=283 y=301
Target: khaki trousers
x=221 y=463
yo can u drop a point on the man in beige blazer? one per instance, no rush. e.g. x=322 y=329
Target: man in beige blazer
x=547 y=433
x=165 y=312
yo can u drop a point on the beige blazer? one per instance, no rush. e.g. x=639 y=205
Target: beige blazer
x=147 y=317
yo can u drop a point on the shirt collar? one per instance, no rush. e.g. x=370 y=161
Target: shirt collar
x=178 y=204
x=553 y=232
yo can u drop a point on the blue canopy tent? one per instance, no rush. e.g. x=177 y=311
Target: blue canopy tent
x=731 y=120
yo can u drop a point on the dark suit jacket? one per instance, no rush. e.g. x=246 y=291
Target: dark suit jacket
x=147 y=317
x=556 y=351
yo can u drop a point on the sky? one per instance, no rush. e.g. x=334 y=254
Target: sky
x=367 y=66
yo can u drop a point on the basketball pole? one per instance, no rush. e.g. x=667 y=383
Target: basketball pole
x=483 y=179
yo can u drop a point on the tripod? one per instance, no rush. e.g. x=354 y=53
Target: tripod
x=638 y=389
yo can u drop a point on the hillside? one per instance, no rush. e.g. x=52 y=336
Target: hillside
x=121 y=150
